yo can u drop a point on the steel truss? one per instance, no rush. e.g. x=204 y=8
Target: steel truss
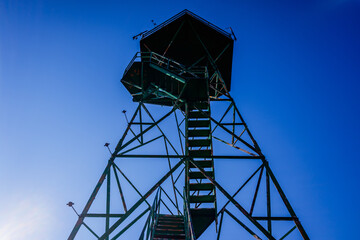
x=231 y=139
x=240 y=139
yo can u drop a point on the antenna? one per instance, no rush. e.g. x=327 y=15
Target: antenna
x=232 y=33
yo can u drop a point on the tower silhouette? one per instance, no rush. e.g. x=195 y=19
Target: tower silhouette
x=185 y=65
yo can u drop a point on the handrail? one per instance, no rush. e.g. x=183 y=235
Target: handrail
x=148 y=231
x=131 y=63
x=169 y=65
x=152 y=219
x=189 y=229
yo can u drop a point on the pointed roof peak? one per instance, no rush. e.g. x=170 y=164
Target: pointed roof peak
x=181 y=14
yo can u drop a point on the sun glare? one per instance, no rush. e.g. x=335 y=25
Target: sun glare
x=28 y=219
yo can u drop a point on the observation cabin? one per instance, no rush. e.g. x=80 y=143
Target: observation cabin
x=185 y=57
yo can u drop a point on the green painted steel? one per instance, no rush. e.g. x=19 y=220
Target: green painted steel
x=187 y=69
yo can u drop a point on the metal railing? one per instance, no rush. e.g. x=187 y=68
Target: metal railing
x=169 y=65
x=189 y=229
x=150 y=225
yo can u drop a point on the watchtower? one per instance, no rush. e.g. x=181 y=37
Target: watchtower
x=185 y=64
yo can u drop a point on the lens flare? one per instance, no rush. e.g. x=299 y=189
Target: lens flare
x=27 y=219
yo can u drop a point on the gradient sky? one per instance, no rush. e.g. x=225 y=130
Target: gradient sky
x=295 y=79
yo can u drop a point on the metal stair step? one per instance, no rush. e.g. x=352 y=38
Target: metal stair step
x=170 y=231
x=198 y=114
x=168 y=216
x=199 y=175
x=170 y=224
x=165 y=226
x=199 y=142
x=202 y=164
x=202 y=199
x=201 y=186
x=170 y=221
x=167 y=237
x=199 y=133
x=200 y=153
x=163 y=236
x=169 y=227
x=198 y=123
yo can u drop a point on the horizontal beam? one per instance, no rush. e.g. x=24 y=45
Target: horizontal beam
x=103 y=215
x=141 y=123
x=185 y=156
x=219 y=99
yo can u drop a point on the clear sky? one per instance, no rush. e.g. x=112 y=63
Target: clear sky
x=295 y=79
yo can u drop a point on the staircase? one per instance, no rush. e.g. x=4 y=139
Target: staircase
x=169 y=227
x=159 y=80
x=201 y=192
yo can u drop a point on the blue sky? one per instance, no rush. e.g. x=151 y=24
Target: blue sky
x=295 y=80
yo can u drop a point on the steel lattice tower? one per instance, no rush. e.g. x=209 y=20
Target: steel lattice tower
x=185 y=64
